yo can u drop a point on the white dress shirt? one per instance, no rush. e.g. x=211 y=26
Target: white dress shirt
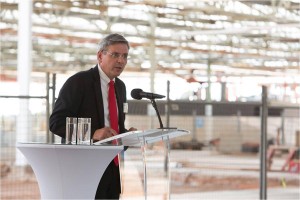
x=104 y=82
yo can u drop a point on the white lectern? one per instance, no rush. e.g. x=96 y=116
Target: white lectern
x=141 y=138
x=68 y=171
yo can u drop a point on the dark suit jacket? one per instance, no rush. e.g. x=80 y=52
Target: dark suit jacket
x=81 y=96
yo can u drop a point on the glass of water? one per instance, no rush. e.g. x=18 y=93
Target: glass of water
x=84 y=131
x=71 y=130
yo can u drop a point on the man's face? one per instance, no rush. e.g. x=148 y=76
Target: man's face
x=113 y=59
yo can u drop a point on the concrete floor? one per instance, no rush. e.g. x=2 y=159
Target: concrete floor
x=203 y=163
x=273 y=194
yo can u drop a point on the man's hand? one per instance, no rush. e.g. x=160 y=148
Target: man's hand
x=103 y=133
x=132 y=129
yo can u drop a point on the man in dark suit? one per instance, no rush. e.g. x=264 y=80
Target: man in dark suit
x=85 y=94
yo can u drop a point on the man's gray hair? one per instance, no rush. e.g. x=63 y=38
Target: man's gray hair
x=110 y=40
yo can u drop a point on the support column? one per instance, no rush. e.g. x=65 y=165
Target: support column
x=208 y=71
x=223 y=90
x=263 y=145
x=152 y=52
x=208 y=107
x=24 y=70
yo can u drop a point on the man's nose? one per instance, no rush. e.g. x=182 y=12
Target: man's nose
x=121 y=59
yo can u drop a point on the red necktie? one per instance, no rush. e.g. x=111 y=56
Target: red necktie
x=113 y=113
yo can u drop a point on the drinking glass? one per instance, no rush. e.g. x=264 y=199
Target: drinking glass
x=84 y=131
x=71 y=130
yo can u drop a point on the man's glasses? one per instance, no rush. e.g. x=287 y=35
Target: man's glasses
x=117 y=55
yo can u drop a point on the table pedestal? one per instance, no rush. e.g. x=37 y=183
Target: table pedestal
x=68 y=171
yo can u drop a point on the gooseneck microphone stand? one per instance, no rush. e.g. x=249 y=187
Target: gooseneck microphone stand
x=157 y=113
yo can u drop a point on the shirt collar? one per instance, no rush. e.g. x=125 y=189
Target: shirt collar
x=103 y=76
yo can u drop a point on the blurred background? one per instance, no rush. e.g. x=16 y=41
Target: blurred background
x=211 y=58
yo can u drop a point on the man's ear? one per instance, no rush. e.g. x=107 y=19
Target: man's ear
x=99 y=56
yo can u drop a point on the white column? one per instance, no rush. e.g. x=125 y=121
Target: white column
x=152 y=52
x=209 y=131
x=24 y=71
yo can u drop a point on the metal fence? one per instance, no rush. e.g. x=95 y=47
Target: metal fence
x=219 y=160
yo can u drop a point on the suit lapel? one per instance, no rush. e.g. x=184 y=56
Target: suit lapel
x=99 y=98
x=119 y=96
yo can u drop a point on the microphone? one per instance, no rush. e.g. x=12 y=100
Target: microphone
x=139 y=94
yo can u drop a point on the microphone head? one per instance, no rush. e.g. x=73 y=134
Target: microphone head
x=136 y=94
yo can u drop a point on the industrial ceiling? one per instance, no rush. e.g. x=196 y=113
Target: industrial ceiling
x=182 y=37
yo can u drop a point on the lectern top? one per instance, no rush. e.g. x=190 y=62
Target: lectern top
x=140 y=137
